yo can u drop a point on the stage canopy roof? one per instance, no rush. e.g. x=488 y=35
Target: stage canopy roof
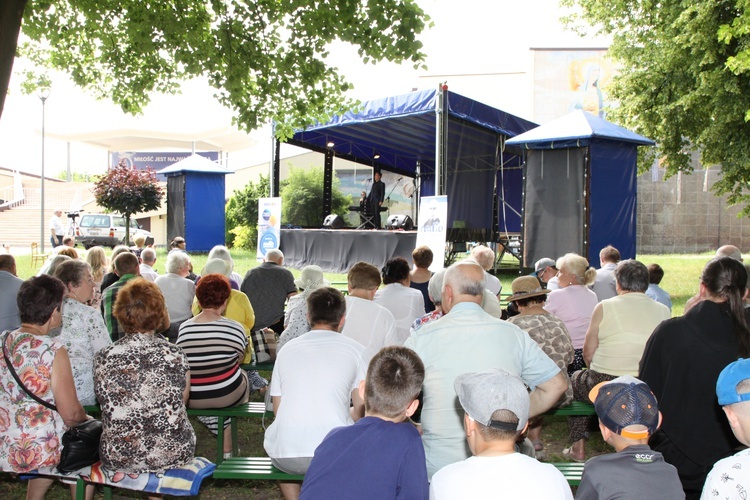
x=575 y=129
x=402 y=131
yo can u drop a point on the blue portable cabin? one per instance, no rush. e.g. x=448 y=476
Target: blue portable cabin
x=195 y=202
x=579 y=188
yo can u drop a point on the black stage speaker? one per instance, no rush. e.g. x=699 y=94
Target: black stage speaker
x=333 y=221
x=399 y=221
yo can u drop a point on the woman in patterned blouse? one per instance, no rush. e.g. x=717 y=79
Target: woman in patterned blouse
x=142 y=384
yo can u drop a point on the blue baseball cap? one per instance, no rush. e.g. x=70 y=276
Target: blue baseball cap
x=729 y=378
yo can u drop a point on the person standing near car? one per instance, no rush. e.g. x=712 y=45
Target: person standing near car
x=56 y=228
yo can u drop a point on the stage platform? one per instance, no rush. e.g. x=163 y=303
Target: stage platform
x=336 y=250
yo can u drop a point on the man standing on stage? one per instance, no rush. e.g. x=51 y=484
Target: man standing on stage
x=376 y=197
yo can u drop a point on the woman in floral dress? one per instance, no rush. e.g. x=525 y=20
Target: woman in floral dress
x=29 y=432
x=83 y=330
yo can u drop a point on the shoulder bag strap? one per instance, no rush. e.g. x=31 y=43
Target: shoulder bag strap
x=21 y=384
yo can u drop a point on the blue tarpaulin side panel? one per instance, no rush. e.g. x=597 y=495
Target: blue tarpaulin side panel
x=613 y=196
x=204 y=211
x=510 y=189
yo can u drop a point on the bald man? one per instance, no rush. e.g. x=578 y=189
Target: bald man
x=729 y=251
x=467 y=339
x=268 y=287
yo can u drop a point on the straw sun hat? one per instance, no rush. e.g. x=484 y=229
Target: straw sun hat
x=526 y=287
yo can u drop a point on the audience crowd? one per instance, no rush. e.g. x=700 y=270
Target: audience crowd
x=411 y=384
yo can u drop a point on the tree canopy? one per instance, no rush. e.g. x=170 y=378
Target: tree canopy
x=128 y=191
x=242 y=211
x=302 y=193
x=266 y=59
x=684 y=80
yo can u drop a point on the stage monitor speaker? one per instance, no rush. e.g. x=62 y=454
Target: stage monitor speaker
x=333 y=221
x=399 y=221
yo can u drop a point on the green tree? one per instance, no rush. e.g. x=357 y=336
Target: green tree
x=128 y=191
x=242 y=212
x=303 y=197
x=684 y=81
x=76 y=176
x=266 y=59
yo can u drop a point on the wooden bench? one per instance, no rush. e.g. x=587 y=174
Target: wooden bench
x=252 y=409
x=252 y=468
x=265 y=366
x=574 y=409
x=571 y=471
x=261 y=469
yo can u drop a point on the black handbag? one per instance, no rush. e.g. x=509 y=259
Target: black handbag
x=80 y=442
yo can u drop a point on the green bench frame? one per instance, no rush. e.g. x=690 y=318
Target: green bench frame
x=261 y=469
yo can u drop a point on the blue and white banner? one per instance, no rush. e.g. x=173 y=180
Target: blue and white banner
x=433 y=222
x=269 y=225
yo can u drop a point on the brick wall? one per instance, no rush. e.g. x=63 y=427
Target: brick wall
x=682 y=215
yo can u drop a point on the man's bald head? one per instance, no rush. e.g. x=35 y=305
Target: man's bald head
x=729 y=251
x=275 y=255
x=8 y=264
x=463 y=282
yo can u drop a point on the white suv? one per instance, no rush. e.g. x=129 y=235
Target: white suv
x=106 y=230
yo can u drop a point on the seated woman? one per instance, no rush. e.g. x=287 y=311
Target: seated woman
x=617 y=335
x=239 y=309
x=295 y=317
x=30 y=432
x=406 y=304
x=548 y=332
x=83 y=330
x=573 y=302
x=215 y=346
x=420 y=276
x=97 y=259
x=142 y=384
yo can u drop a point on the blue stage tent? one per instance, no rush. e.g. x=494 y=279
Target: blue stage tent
x=441 y=139
x=580 y=188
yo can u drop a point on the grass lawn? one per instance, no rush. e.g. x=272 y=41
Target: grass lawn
x=682 y=273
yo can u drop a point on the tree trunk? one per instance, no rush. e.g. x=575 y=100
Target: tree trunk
x=11 y=15
x=127 y=230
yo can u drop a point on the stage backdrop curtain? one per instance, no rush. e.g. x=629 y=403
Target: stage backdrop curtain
x=336 y=251
x=554 y=203
x=175 y=206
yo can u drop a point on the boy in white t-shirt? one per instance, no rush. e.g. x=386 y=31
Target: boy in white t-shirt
x=497 y=411
x=730 y=477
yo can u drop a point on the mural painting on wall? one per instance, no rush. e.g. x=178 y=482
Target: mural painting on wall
x=566 y=80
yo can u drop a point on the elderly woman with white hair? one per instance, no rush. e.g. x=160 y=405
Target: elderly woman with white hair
x=574 y=302
x=295 y=316
x=178 y=291
x=222 y=252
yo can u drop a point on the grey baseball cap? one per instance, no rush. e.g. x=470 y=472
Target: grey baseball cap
x=542 y=263
x=482 y=394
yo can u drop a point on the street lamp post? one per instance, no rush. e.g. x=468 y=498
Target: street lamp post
x=43 y=94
